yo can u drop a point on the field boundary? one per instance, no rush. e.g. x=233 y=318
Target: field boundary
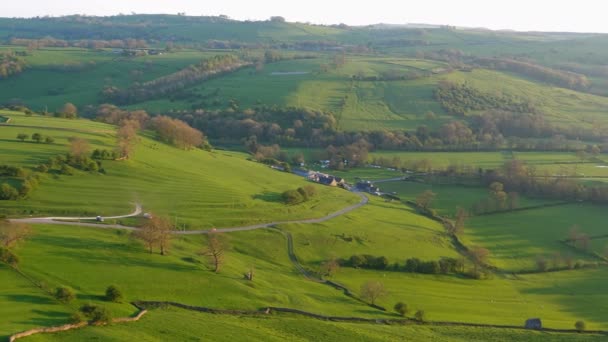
x=73 y=326
x=318 y=279
x=265 y=311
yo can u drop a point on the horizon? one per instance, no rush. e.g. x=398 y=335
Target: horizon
x=518 y=15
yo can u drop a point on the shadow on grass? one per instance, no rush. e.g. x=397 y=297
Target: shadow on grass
x=32 y=299
x=267 y=196
x=47 y=318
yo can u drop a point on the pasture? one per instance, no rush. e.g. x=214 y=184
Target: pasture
x=210 y=190
x=159 y=325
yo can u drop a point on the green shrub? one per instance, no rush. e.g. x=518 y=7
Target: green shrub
x=113 y=294
x=95 y=313
x=292 y=197
x=8 y=192
x=420 y=315
x=8 y=257
x=580 y=325
x=402 y=309
x=65 y=294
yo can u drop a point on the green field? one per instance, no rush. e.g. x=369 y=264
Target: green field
x=517 y=239
x=385 y=229
x=44 y=88
x=159 y=325
x=208 y=192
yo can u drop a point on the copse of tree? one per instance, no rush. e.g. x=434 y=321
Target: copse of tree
x=23 y=136
x=49 y=140
x=113 y=115
x=10 y=64
x=461 y=99
x=8 y=192
x=366 y=261
x=299 y=195
x=11 y=171
x=177 y=133
x=558 y=77
x=580 y=326
x=177 y=81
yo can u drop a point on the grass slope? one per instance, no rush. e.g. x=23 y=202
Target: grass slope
x=196 y=188
x=159 y=325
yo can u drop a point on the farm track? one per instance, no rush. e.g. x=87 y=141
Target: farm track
x=53 y=220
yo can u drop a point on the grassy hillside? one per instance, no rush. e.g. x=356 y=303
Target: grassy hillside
x=159 y=325
x=197 y=189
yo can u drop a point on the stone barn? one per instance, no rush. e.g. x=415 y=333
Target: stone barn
x=534 y=323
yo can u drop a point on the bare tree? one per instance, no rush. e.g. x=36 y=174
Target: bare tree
x=329 y=267
x=79 y=147
x=424 y=199
x=480 y=256
x=214 y=251
x=127 y=137
x=372 y=290
x=156 y=231
x=461 y=216
x=13 y=233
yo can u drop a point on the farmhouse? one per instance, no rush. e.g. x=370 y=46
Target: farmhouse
x=325 y=179
x=368 y=187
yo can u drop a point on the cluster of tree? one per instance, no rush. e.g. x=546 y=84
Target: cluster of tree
x=461 y=99
x=66 y=294
x=172 y=83
x=37 y=137
x=412 y=265
x=393 y=75
x=157 y=231
x=104 y=154
x=288 y=126
x=558 y=261
x=12 y=171
x=10 y=64
x=178 y=133
x=128 y=43
x=494 y=125
x=301 y=194
x=352 y=155
x=560 y=78
x=111 y=114
x=442 y=266
x=28 y=183
x=12 y=234
x=516 y=176
x=403 y=310
x=365 y=261
x=498 y=200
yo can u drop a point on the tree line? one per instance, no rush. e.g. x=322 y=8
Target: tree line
x=10 y=64
x=169 y=84
x=461 y=99
x=560 y=78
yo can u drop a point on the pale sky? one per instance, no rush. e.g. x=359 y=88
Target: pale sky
x=522 y=15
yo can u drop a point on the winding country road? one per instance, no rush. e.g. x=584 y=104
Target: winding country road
x=138 y=210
